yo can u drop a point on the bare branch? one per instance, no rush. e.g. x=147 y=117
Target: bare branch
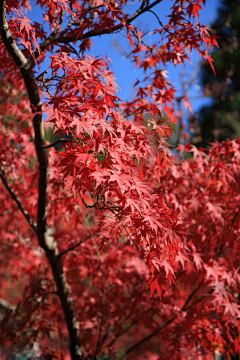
x=156 y=331
x=18 y=201
x=58 y=142
x=74 y=246
x=146 y=338
x=41 y=75
x=124 y=330
x=159 y=21
x=89 y=206
x=193 y=293
x=74 y=51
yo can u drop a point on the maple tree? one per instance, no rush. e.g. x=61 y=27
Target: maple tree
x=107 y=238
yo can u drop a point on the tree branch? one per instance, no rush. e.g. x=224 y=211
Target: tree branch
x=46 y=241
x=18 y=201
x=58 y=142
x=124 y=330
x=184 y=308
x=159 y=21
x=146 y=338
x=61 y=38
x=93 y=33
x=73 y=246
x=156 y=331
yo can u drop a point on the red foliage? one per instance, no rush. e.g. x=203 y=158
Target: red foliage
x=148 y=241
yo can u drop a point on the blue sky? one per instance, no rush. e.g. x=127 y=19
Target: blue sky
x=124 y=70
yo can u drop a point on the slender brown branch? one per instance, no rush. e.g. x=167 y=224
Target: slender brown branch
x=57 y=142
x=158 y=19
x=156 y=331
x=89 y=206
x=197 y=301
x=61 y=198
x=147 y=338
x=74 y=51
x=122 y=332
x=184 y=308
x=18 y=201
x=41 y=75
x=127 y=327
x=73 y=246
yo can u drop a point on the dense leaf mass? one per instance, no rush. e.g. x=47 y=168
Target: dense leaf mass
x=102 y=227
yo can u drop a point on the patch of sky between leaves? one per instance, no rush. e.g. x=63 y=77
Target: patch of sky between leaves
x=116 y=47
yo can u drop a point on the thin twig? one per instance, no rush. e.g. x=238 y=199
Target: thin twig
x=75 y=51
x=145 y=339
x=57 y=142
x=18 y=201
x=156 y=331
x=89 y=206
x=160 y=23
x=73 y=246
x=61 y=198
x=127 y=327
x=41 y=75
x=60 y=38
x=192 y=295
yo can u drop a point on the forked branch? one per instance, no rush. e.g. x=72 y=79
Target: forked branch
x=61 y=38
